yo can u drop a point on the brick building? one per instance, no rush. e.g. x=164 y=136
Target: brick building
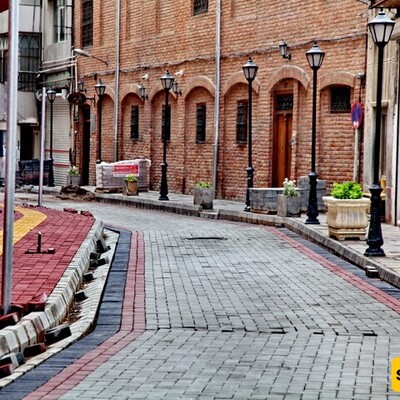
x=204 y=45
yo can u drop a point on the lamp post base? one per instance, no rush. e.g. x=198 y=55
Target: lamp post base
x=164 y=183
x=312 y=209
x=250 y=177
x=50 y=181
x=375 y=239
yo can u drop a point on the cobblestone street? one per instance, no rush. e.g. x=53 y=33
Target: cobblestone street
x=236 y=311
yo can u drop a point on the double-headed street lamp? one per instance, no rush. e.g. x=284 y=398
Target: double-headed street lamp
x=315 y=56
x=100 y=90
x=250 y=71
x=167 y=80
x=51 y=95
x=381 y=28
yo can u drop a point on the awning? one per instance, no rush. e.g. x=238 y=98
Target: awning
x=385 y=3
x=29 y=121
x=3 y=5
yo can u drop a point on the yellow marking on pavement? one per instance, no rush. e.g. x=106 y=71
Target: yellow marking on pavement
x=22 y=226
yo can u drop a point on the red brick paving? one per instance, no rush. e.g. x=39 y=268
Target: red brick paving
x=35 y=274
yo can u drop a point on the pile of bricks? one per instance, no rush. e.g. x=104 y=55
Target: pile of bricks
x=110 y=176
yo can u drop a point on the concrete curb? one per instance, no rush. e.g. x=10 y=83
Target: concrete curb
x=31 y=328
x=138 y=202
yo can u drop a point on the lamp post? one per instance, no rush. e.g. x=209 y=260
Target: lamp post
x=315 y=56
x=167 y=80
x=250 y=71
x=51 y=95
x=381 y=28
x=100 y=89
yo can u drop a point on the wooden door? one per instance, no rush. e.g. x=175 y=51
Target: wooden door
x=282 y=140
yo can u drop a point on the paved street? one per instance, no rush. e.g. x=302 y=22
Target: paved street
x=236 y=311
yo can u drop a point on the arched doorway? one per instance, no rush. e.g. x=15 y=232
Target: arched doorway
x=282 y=137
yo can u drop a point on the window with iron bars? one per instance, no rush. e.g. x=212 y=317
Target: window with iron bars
x=165 y=123
x=241 y=121
x=200 y=6
x=135 y=122
x=87 y=23
x=340 y=99
x=201 y=123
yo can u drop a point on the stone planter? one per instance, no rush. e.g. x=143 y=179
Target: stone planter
x=288 y=206
x=203 y=197
x=347 y=219
x=74 y=180
x=264 y=200
x=130 y=188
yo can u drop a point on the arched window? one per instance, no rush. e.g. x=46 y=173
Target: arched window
x=29 y=58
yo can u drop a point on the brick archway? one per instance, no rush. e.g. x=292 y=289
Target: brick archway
x=199 y=81
x=238 y=77
x=289 y=72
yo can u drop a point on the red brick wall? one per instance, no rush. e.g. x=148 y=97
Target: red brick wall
x=156 y=35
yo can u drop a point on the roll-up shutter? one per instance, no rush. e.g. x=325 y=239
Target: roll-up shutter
x=61 y=138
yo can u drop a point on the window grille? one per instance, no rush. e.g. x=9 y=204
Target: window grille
x=87 y=23
x=165 y=123
x=29 y=58
x=135 y=122
x=201 y=123
x=340 y=99
x=241 y=121
x=200 y=6
x=284 y=102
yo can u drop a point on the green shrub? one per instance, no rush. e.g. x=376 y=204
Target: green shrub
x=347 y=190
x=203 y=185
x=131 y=178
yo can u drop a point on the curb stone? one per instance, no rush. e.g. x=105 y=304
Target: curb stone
x=32 y=326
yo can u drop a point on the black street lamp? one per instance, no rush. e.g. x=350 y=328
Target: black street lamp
x=315 y=56
x=250 y=71
x=381 y=28
x=167 y=80
x=100 y=90
x=51 y=95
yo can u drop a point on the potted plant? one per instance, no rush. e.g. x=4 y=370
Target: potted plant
x=73 y=176
x=289 y=202
x=203 y=195
x=131 y=185
x=347 y=211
